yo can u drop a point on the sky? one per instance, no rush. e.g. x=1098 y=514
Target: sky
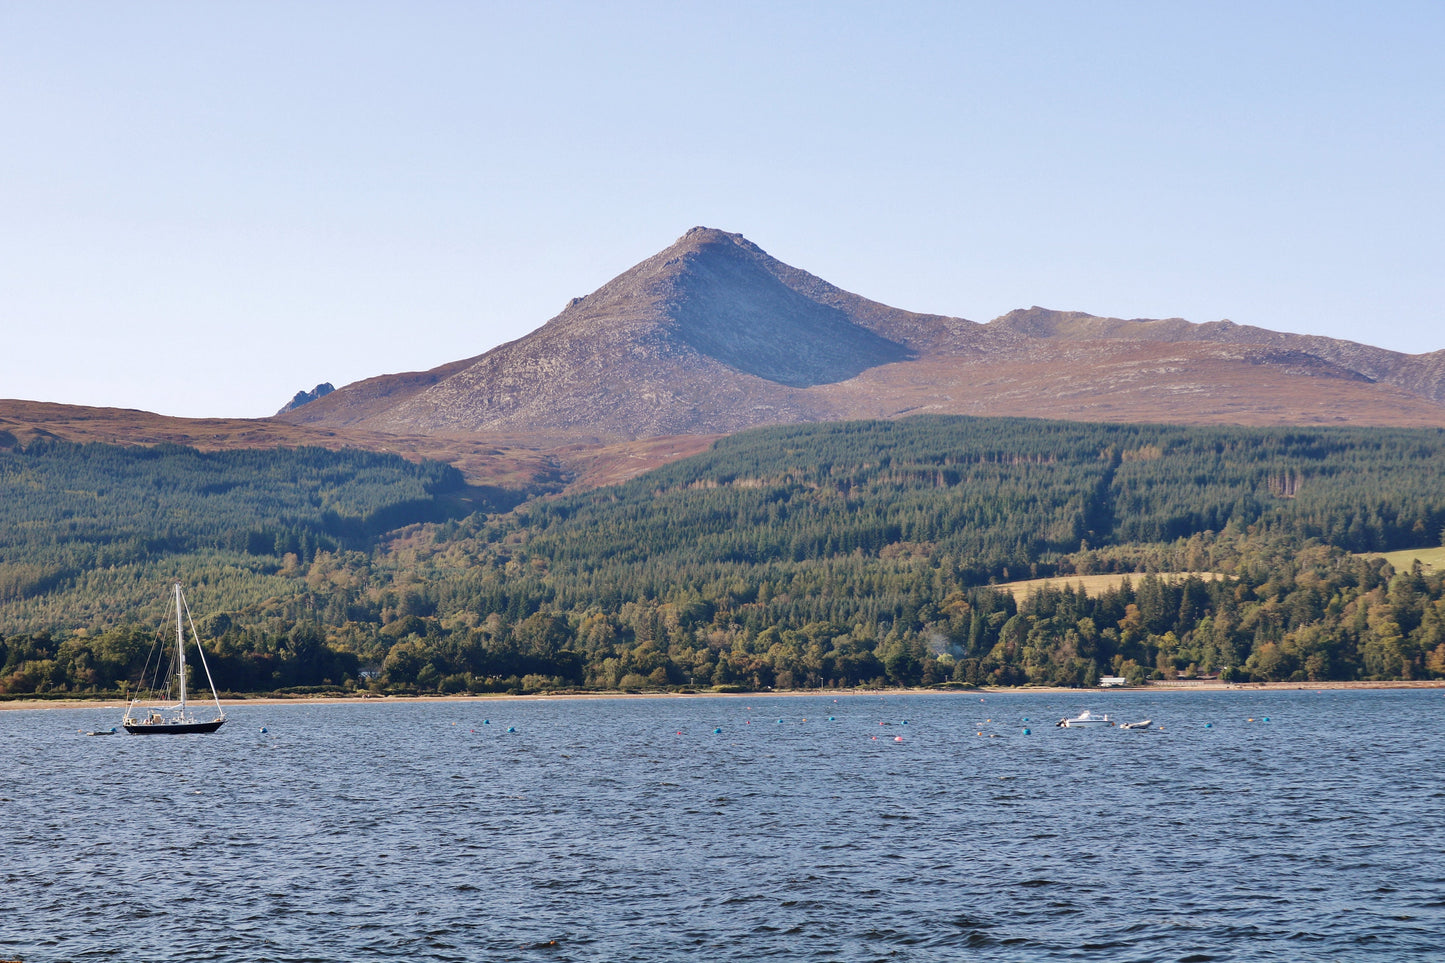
x=206 y=207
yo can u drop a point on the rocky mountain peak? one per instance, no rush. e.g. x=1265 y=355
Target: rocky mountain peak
x=306 y=397
x=713 y=334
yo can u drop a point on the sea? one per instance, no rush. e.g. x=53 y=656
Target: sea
x=1243 y=825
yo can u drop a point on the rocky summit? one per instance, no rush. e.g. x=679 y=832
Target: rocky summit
x=710 y=335
x=713 y=335
x=306 y=397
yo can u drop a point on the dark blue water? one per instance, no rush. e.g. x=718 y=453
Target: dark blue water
x=629 y=830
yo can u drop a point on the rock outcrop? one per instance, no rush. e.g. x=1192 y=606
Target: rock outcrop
x=306 y=397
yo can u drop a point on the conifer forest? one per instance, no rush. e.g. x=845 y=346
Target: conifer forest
x=820 y=556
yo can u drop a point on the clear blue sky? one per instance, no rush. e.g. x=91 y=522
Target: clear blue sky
x=208 y=206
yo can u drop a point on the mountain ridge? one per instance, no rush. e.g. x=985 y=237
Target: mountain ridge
x=1422 y=374
x=713 y=334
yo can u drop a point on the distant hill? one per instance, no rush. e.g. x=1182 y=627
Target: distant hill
x=518 y=462
x=1422 y=374
x=713 y=335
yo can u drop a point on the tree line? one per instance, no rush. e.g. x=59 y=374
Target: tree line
x=1275 y=614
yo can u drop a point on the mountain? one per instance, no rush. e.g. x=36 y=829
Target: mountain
x=713 y=335
x=710 y=335
x=1421 y=374
x=360 y=400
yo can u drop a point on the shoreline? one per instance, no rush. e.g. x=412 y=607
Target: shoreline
x=1184 y=686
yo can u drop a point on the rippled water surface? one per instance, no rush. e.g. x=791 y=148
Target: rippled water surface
x=617 y=830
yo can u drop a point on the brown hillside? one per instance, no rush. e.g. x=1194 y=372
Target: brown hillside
x=361 y=400
x=508 y=462
x=1420 y=374
x=713 y=335
x=1122 y=381
x=522 y=463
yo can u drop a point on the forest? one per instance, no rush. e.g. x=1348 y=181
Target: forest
x=92 y=526
x=850 y=554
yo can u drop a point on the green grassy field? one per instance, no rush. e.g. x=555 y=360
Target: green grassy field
x=1092 y=585
x=1433 y=559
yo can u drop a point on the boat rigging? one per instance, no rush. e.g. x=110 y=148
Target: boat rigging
x=175 y=719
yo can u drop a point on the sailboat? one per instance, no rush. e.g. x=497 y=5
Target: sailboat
x=177 y=718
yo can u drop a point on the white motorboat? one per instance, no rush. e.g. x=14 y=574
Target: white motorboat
x=1085 y=719
x=1136 y=725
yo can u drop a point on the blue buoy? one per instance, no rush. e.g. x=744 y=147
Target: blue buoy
x=780 y=722
x=1028 y=732
x=905 y=722
x=1026 y=718
x=263 y=728
x=1266 y=718
x=486 y=722
x=511 y=728
x=717 y=730
x=830 y=718
x=1209 y=725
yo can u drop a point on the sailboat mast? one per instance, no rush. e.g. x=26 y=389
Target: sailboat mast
x=180 y=650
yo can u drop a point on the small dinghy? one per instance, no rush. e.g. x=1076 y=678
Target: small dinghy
x=1084 y=720
x=99 y=732
x=1137 y=725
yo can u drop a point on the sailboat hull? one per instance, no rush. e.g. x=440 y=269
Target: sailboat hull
x=172 y=728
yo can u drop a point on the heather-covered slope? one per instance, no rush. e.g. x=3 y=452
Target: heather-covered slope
x=713 y=335
x=1420 y=374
